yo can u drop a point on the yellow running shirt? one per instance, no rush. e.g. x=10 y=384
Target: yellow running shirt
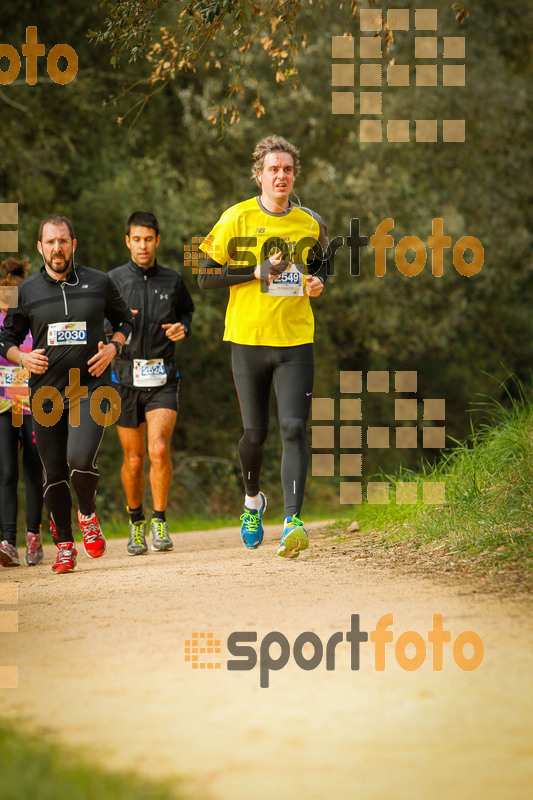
x=254 y=316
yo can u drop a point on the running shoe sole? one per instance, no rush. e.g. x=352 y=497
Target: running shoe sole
x=96 y=555
x=136 y=550
x=7 y=561
x=62 y=569
x=34 y=560
x=293 y=544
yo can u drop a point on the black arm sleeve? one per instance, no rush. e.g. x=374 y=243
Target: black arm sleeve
x=319 y=268
x=317 y=260
x=184 y=307
x=220 y=280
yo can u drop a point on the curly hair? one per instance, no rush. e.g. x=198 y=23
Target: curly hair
x=13 y=271
x=273 y=144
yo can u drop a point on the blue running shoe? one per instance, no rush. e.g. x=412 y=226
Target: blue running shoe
x=293 y=539
x=252 y=529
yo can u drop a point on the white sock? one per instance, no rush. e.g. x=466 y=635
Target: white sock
x=253 y=503
x=289 y=518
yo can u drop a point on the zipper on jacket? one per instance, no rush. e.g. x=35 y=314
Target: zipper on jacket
x=63 y=287
x=144 y=332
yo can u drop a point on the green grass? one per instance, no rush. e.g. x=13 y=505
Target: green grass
x=489 y=492
x=33 y=768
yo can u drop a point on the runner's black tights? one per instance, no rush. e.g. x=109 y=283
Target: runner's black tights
x=69 y=451
x=11 y=438
x=291 y=370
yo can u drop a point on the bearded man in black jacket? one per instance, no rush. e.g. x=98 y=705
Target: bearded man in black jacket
x=65 y=306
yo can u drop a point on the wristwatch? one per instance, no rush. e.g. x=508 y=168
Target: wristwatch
x=117 y=345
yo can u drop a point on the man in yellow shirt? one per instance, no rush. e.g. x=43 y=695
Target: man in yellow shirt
x=271 y=254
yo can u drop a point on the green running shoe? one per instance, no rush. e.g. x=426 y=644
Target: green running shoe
x=137 y=541
x=161 y=541
x=293 y=539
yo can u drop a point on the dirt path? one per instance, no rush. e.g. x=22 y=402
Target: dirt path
x=101 y=666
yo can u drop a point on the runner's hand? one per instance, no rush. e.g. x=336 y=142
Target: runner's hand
x=271 y=268
x=174 y=331
x=35 y=361
x=101 y=360
x=313 y=285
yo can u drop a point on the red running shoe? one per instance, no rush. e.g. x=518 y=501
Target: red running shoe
x=66 y=557
x=93 y=538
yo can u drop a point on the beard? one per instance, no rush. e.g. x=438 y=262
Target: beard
x=58 y=268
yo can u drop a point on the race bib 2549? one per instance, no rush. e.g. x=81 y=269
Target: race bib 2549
x=288 y=284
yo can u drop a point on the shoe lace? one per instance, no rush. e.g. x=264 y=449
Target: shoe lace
x=160 y=529
x=64 y=554
x=91 y=531
x=296 y=521
x=34 y=542
x=250 y=519
x=137 y=533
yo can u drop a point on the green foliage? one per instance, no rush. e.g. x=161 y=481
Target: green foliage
x=489 y=490
x=127 y=26
x=33 y=767
x=63 y=151
x=196 y=35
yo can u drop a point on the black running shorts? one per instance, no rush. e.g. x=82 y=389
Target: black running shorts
x=134 y=403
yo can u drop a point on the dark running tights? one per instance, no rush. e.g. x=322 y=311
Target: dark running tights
x=291 y=370
x=69 y=451
x=11 y=438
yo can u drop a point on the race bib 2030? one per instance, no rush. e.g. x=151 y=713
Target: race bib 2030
x=67 y=333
